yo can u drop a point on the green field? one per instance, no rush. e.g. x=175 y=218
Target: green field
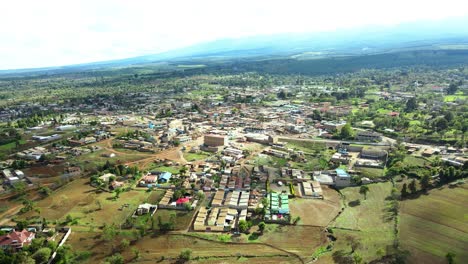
x=415 y=161
x=182 y=218
x=305 y=146
x=11 y=145
x=435 y=224
x=196 y=156
x=451 y=98
x=173 y=170
x=370 y=173
x=366 y=222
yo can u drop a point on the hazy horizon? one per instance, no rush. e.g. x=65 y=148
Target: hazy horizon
x=54 y=33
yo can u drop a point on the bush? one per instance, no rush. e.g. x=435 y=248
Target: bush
x=42 y=255
x=186 y=254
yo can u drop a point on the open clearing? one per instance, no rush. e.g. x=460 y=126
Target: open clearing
x=367 y=222
x=182 y=219
x=434 y=224
x=91 y=208
x=316 y=212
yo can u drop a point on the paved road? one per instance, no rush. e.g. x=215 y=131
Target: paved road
x=388 y=142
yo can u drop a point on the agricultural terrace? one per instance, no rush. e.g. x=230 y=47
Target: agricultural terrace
x=434 y=224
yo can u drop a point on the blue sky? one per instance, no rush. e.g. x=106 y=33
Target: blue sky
x=39 y=33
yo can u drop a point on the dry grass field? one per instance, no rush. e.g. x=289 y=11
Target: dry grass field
x=316 y=212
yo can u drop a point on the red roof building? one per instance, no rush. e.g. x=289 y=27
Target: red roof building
x=16 y=240
x=182 y=201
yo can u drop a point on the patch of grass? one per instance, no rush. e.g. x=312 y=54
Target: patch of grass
x=415 y=161
x=173 y=170
x=305 y=146
x=196 y=156
x=371 y=173
x=454 y=97
x=182 y=218
x=367 y=222
x=11 y=145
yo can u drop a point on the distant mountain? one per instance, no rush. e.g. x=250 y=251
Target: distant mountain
x=432 y=35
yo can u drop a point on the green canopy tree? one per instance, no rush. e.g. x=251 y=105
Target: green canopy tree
x=346 y=132
x=364 y=190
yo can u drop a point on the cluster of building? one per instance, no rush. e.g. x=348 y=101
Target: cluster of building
x=278 y=210
x=12 y=177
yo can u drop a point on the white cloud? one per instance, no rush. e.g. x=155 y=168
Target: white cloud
x=46 y=33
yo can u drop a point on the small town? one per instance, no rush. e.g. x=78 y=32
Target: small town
x=259 y=132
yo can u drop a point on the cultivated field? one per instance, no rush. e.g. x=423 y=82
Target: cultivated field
x=316 y=212
x=367 y=222
x=434 y=224
x=166 y=248
x=301 y=240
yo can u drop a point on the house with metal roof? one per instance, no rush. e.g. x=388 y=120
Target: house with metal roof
x=342 y=178
x=165 y=177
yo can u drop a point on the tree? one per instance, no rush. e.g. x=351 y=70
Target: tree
x=404 y=190
x=261 y=226
x=296 y=220
x=412 y=186
x=42 y=255
x=243 y=226
x=115 y=259
x=136 y=253
x=364 y=190
x=357 y=258
x=124 y=244
x=186 y=254
x=187 y=206
x=117 y=193
x=109 y=232
x=45 y=190
x=346 y=132
x=450 y=257
x=440 y=123
x=425 y=182
x=42 y=158
x=411 y=104
x=282 y=94
x=452 y=89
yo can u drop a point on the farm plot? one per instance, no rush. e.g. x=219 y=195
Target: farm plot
x=435 y=224
x=316 y=212
x=88 y=207
x=168 y=247
x=300 y=240
x=182 y=218
x=365 y=220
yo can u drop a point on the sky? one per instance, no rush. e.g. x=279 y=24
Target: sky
x=41 y=33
